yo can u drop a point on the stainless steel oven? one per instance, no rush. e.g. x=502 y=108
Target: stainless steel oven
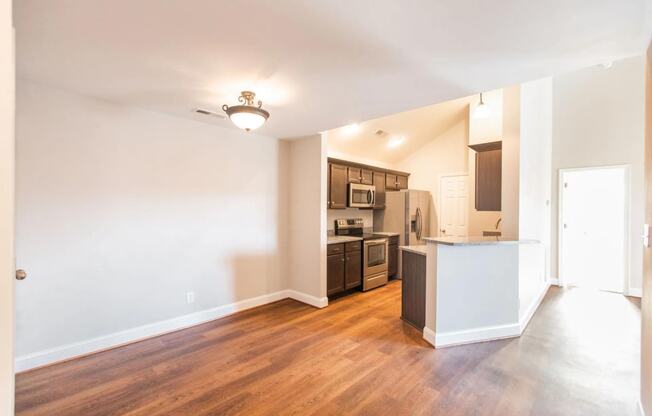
x=361 y=196
x=374 y=255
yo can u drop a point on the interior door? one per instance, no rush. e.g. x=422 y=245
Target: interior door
x=453 y=212
x=593 y=228
x=7 y=272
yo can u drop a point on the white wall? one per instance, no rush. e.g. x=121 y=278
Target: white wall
x=307 y=224
x=511 y=161
x=598 y=120
x=444 y=154
x=120 y=212
x=535 y=152
x=6 y=210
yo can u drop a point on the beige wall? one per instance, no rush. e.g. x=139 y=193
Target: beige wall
x=510 y=176
x=6 y=210
x=444 y=154
x=646 y=302
x=598 y=120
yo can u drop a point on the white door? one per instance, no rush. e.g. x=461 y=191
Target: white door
x=453 y=206
x=593 y=227
x=7 y=272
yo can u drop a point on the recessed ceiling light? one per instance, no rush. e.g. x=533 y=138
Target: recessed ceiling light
x=395 y=141
x=248 y=115
x=351 y=129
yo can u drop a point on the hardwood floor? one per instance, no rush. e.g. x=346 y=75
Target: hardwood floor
x=579 y=356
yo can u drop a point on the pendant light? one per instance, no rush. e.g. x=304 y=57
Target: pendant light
x=248 y=115
x=481 y=110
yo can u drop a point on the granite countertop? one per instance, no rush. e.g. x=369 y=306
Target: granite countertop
x=335 y=239
x=415 y=249
x=388 y=234
x=476 y=241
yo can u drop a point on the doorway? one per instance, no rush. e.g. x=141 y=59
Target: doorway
x=593 y=227
x=453 y=205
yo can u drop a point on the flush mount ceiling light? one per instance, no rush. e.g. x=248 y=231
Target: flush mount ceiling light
x=248 y=115
x=351 y=129
x=482 y=110
x=395 y=141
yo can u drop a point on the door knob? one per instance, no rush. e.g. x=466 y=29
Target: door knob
x=21 y=274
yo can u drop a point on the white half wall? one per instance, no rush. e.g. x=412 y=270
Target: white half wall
x=599 y=120
x=120 y=212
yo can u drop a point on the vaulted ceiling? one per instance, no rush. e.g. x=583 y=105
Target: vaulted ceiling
x=316 y=65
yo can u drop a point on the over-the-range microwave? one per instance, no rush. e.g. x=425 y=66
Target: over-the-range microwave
x=361 y=196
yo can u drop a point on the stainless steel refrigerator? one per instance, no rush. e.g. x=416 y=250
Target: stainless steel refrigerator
x=407 y=213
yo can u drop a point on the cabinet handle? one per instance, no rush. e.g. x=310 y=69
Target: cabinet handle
x=342 y=259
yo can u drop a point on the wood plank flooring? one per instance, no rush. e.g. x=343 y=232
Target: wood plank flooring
x=579 y=356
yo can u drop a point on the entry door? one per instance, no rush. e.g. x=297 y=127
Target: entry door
x=593 y=228
x=7 y=272
x=454 y=205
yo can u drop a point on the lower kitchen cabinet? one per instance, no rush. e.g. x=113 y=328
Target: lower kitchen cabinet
x=392 y=257
x=344 y=267
x=413 y=289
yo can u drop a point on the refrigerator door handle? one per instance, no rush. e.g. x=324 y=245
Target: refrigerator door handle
x=418 y=220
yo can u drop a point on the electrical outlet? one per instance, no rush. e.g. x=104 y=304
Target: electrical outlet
x=190 y=297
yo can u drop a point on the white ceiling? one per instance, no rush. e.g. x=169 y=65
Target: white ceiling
x=315 y=64
x=417 y=128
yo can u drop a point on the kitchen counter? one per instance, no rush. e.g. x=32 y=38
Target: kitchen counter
x=386 y=234
x=336 y=239
x=422 y=249
x=476 y=241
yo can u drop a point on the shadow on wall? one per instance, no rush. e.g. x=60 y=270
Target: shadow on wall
x=255 y=275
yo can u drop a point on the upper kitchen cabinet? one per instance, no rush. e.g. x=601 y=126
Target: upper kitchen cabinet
x=355 y=175
x=337 y=181
x=488 y=176
x=366 y=177
x=391 y=182
x=379 y=183
x=401 y=182
x=395 y=181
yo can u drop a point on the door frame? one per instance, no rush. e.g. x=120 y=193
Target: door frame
x=626 y=219
x=439 y=198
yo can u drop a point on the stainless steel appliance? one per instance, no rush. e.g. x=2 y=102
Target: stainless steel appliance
x=407 y=213
x=374 y=252
x=361 y=196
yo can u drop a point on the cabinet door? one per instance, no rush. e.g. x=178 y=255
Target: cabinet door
x=366 y=177
x=390 y=181
x=379 y=183
x=337 y=186
x=392 y=260
x=335 y=274
x=413 y=299
x=353 y=273
x=355 y=175
x=488 y=180
x=401 y=182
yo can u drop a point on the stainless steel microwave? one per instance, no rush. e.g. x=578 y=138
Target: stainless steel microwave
x=361 y=196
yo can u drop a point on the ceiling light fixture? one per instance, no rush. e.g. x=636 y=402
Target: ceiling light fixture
x=248 y=115
x=481 y=110
x=395 y=141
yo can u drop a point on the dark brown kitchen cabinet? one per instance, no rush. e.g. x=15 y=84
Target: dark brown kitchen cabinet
x=344 y=267
x=355 y=175
x=392 y=258
x=391 y=181
x=335 y=270
x=337 y=182
x=366 y=177
x=401 y=182
x=413 y=289
x=379 y=183
x=488 y=176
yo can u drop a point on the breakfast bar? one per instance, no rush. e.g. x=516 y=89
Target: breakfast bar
x=477 y=289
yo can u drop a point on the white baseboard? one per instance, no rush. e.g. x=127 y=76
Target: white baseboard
x=77 y=349
x=553 y=281
x=640 y=407
x=638 y=293
x=429 y=335
x=308 y=299
x=487 y=333
x=525 y=319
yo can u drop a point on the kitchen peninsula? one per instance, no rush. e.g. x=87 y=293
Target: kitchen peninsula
x=480 y=288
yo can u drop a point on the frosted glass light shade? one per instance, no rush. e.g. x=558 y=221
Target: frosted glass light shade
x=481 y=111
x=247 y=121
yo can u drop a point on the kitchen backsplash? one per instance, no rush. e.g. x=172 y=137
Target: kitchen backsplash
x=367 y=216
